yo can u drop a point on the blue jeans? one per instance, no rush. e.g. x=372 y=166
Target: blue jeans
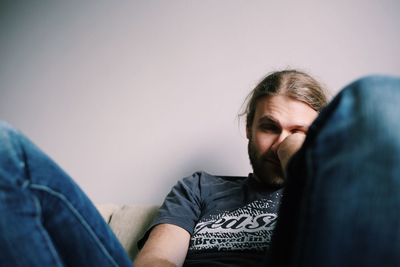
x=341 y=205
x=45 y=219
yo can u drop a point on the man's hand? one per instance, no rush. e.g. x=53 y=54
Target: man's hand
x=289 y=147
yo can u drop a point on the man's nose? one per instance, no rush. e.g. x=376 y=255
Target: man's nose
x=279 y=138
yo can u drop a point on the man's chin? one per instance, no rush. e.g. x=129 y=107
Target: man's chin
x=275 y=182
x=271 y=177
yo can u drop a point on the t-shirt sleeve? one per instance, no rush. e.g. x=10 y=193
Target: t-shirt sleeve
x=181 y=207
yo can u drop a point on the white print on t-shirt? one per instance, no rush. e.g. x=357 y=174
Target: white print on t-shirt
x=247 y=228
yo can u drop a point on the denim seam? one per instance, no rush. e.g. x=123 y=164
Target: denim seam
x=79 y=217
x=46 y=238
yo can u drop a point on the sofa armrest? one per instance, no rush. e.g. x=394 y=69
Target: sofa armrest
x=129 y=223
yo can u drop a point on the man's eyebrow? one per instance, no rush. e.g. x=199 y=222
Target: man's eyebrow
x=270 y=119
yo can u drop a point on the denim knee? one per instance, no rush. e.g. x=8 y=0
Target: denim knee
x=8 y=134
x=11 y=155
x=374 y=102
x=373 y=89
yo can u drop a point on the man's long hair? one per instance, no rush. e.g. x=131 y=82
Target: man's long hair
x=292 y=83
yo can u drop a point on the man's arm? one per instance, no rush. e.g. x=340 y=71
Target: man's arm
x=167 y=246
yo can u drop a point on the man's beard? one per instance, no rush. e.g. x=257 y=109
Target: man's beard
x=266 y=167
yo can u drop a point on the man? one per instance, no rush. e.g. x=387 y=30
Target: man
x=340 y=205
x=211 y=220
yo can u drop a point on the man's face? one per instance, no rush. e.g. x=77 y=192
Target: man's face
x=276 y=117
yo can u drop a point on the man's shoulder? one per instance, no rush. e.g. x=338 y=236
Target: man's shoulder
x=205 y=176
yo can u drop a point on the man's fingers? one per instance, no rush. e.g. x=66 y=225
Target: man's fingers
x=289 y=147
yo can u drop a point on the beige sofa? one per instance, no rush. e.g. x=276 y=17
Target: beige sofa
x=128 y=222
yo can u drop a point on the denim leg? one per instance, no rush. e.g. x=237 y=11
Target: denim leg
x=45 y=218
x=341 y=205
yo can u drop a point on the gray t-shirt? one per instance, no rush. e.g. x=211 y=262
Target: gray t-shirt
x=230 y=219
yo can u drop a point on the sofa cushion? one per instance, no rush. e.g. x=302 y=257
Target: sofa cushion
x=106 y=210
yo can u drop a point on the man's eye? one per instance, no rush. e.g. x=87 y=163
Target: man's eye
x=299 y=131
x=269 y=127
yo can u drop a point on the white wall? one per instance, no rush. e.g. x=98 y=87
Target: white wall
x=129 y=96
